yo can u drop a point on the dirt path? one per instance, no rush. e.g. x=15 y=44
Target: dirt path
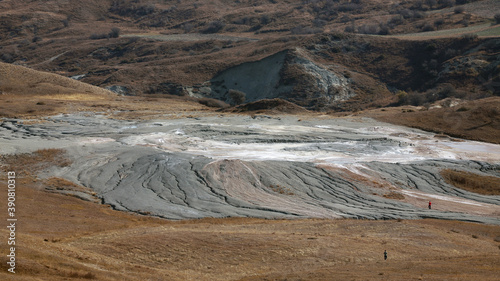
x=189 y=37
x=483 y=30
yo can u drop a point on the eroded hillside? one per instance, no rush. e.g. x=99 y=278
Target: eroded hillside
x=171 y=47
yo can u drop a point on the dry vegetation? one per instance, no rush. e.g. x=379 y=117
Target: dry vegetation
x=29 y=164
x=60 y=41
x=487 y=185
x=26 y=93
x=63 y=238
x=476 y=120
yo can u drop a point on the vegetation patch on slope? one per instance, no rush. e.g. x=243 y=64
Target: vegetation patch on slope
x=486 y=185
x=474 y=120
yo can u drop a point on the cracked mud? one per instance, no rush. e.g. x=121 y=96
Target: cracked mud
x=266 y=167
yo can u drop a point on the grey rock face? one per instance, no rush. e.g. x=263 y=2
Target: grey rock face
x=279 y=76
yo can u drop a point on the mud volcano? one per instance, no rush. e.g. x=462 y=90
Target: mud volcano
x=266 y=167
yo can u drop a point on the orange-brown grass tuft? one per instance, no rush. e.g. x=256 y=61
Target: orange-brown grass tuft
x=394 y=195
x=487 y=185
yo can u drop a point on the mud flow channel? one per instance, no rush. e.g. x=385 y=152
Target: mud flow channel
x=264 y=166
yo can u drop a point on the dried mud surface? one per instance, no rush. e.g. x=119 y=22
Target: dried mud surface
x=263 y=166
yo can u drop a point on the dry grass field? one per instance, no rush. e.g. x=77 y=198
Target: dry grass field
x=27 y=93
x=476 y=120
x=64 y=238
x=472 y=182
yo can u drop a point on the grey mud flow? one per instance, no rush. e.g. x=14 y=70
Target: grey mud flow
x=264 y=167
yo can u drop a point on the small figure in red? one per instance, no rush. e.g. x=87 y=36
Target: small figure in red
x=429 y=205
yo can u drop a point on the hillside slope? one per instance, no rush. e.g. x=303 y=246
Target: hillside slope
x=81 y=39
x=28 y=93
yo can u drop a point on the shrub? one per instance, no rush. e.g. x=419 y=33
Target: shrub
x=187 y=27
x=214 y=27
x=114 y=33
x=450 y=53
x=368 y=29
x=459 y=10
x=8 y=58
x=446 y=90
x=213 y=103
x=349 y=7
x=431 y=3
x=396 y=20
x=438 y=22
x=131 y=8
x=265 y=19
x=446 y=3
x=402 y=97
x=96 y=36
x=427 y=27
x=469 y=37
x=415 y=99
x=497 y=18
x=349 y=29
x=406 y=13
x=238 y=97
x=384 y=29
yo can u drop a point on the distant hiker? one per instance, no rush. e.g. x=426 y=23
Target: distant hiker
x=385 y=255
x=429 y=205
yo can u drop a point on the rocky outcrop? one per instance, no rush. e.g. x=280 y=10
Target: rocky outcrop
x=287 y=75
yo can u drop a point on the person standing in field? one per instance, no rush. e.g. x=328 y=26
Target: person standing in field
x=429 y=205
x=385 y=254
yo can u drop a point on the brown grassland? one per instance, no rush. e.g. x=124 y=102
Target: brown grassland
x=60 y=237
x=64 y=238
x=475 y=120
x=486 y=185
